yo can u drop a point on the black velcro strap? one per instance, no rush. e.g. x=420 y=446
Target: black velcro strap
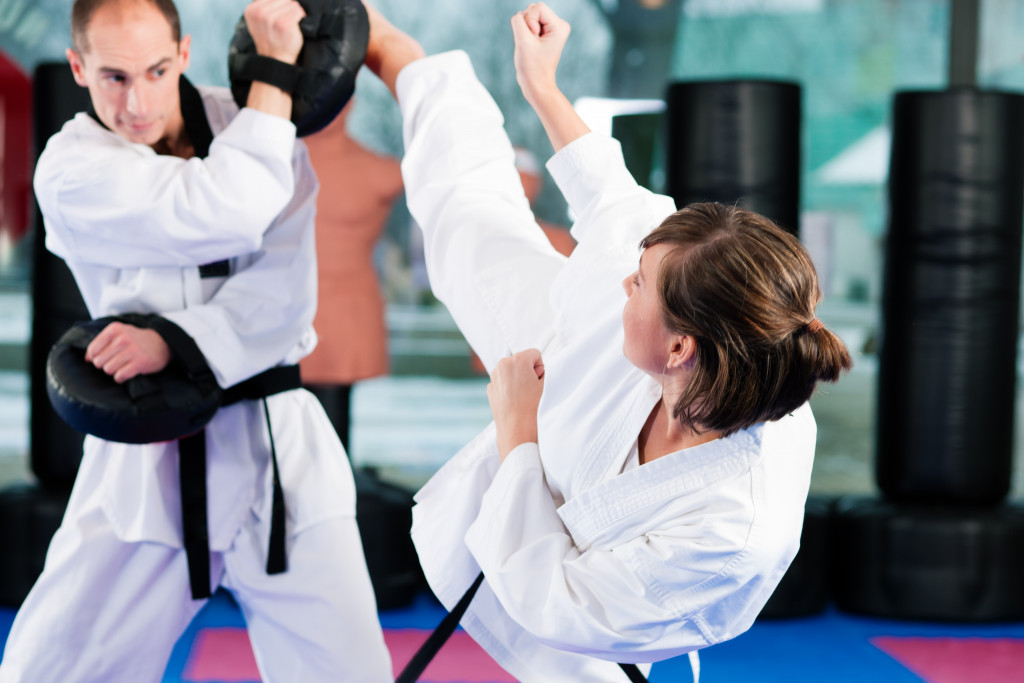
x=444 y=630
x=269 y=70
x=192 y=472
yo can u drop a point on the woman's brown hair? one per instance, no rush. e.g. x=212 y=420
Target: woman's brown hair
x=746 y=290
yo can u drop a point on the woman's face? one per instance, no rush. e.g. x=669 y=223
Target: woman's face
x=647 y=340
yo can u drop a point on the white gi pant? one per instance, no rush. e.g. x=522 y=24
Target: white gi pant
x=106 y=611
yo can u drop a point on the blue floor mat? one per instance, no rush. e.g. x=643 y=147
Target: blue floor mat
x=833 y=647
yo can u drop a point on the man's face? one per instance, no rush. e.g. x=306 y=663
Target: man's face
x=131 y=65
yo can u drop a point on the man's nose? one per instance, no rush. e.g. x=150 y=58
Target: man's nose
x=137 y=100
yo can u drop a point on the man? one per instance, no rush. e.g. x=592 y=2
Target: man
x=167 y=200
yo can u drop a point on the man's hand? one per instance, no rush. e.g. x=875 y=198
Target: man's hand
x=125 y=351
x=274 y=27
x=514 y=392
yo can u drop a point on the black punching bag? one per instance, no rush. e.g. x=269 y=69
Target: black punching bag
x=947 y=362
x=56 y=448
x=30 y=515
x=805 y=588
x=735 y=142
x=932 y=562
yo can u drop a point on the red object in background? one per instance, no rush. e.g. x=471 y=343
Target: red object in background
x=15 y=149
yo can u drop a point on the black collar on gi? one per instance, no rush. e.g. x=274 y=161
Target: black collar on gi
x=192 y=110
x=201 y=135
x=192 y=448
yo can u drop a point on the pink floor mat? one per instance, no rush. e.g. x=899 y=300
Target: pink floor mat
x=225 y=656
x=958 y=660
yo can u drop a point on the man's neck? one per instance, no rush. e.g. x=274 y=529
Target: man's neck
x=177 y=144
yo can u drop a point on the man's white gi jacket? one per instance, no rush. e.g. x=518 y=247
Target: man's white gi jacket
x=133 y=226
x=585 y=564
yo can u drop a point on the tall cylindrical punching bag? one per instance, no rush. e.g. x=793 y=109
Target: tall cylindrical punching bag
x=56 y=448
x=738 y=142
x=735 y=142
x=947 y=363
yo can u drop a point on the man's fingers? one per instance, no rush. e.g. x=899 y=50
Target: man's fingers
x=125 y=372
x=116 y=363
x=102 y=348
x=100 y=342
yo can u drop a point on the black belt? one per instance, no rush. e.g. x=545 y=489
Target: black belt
x=192 y=471
x=427 y=651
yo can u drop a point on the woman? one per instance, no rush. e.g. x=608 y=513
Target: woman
x=641 y=490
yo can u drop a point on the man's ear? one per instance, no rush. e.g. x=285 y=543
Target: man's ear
x=682 y=352
x=77 y=67
x=185 y=50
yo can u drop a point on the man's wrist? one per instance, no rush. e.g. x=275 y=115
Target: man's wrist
x=280 y=73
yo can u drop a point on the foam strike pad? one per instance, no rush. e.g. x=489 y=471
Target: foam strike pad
x=164 y=406
x=336 y=34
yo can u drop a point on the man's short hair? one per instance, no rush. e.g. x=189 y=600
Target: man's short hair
x=83 y=10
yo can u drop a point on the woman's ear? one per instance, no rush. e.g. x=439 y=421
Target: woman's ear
x=682 y=352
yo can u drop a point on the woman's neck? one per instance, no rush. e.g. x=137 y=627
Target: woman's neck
x=663 y=434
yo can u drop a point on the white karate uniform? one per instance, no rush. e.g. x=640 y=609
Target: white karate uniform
x=114 y=595
x=586 y=561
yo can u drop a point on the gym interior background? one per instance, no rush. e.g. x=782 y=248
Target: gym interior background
x=848 y=60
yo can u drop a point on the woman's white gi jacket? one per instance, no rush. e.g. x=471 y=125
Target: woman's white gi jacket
x=583 y=562
x=133 y=226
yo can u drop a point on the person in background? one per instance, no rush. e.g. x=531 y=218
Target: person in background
x=351 y=214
